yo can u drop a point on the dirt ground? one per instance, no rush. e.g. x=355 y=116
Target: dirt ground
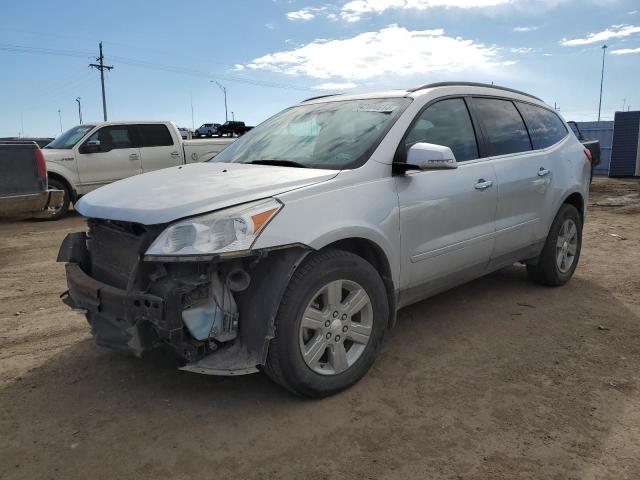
x=495 y=379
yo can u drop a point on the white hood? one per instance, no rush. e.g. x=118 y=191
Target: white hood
x=173 y=193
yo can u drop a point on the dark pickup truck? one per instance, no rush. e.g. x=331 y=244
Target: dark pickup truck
x=592 y=145
x=23 y=181
x=232 y=128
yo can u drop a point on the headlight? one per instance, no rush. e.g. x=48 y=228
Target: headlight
x=226 y=231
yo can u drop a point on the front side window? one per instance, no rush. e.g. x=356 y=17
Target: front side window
x=155 y=135
x=69 y=138
x=545 y=127
x=503 y=126
x=446 y=123
x=113 y=137
x=333 y=135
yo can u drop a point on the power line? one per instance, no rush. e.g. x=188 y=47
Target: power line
x=156 y=66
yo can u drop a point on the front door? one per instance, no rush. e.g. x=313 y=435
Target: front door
x=446 y=216
x=118 y=157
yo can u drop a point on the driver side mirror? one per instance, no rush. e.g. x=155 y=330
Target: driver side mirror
x=91 y=146
x=427 y=156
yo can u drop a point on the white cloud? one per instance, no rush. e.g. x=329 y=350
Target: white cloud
x=625 y=51
x=614 y=31
x=335 y=86
x=303 y=14
x=392 y=50
x=521 y=50
x=525 y=29
x=354 y=10
x=270 y=26
x=633 y=12
x=238 y=67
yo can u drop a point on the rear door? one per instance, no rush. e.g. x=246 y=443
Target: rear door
x=523 y=176
x=158 y=147
x=446 y=216
x=118 y=158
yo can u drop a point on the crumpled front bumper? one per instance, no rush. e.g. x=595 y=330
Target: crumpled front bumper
x=136 y=320
x=115 y=316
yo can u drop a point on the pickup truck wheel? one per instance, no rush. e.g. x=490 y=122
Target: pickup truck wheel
x=56 y=214
x=329 y=326
x=561 y=252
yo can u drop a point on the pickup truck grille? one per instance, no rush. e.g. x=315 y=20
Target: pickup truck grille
x=115 y=249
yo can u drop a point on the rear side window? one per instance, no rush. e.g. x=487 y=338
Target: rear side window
x=545 y=127
x=155 y=135
x=446 y=123
x=502 y=125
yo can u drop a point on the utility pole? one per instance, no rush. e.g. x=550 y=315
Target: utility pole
x=22 y=124
x=233 y=116
x=224 y=90
x=102 y=67
x=79 y=109
x=60 y=120
x=604 y=51
x=624 y=102
x=193 y=124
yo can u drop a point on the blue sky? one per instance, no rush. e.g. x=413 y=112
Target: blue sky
x=270 y=54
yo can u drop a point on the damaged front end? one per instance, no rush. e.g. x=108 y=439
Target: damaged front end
x=215 y=312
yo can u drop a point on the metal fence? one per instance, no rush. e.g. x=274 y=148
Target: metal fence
x=602 y=131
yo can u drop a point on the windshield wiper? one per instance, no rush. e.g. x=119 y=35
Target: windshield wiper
x=279 y=163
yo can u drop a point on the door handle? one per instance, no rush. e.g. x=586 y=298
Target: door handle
x=483 y=184
x=133 y=156
x=543 y=171
x=175 y=154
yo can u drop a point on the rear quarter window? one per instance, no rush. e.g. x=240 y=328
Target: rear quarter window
x=502 y=125
x=155 y=135
x=545 y=127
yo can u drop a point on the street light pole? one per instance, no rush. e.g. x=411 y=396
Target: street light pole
x=79 y=110
x=604 y=51
x=224 y=90
x=60 y=120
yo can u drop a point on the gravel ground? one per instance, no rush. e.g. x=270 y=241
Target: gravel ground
x=498 y=378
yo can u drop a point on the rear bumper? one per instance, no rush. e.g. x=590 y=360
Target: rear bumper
x=30 y=203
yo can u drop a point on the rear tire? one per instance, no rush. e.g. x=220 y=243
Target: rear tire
x=335 y=305
x=561 y=252
x=66 y=202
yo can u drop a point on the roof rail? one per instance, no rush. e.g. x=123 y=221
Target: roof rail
x=469 y=84
x=320 y=96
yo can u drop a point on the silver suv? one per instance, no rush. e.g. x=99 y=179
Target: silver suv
x=292 y=250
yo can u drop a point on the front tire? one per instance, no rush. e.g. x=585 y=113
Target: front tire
x=561 y=252
x=330 y=325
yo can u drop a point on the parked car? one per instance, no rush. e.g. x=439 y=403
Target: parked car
x=23 y=180
x=593 y=146
x=232 y=128
x=89 y=156
x=184 y=132
x=292 y=250
x=207 y=129
x=40 y=141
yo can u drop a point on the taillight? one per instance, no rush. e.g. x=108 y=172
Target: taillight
x=587 y=153
x=41 y=165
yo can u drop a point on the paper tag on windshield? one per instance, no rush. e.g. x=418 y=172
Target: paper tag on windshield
x=375 y=107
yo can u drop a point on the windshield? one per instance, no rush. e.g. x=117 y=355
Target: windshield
x=69 y=138
x=332 y=135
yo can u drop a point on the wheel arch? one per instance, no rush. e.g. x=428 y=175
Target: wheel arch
x=371 y=252
x=577 y=200
x=61 y=178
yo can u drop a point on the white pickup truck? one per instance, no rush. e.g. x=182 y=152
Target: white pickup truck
x=89 y=156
